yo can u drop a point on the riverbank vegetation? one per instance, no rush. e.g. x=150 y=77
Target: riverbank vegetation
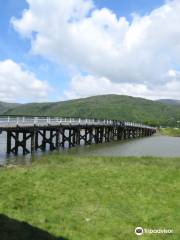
x=173 y=132
x=85 y=198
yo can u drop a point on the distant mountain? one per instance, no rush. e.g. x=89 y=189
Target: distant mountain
x=4 y=107
x=169 y=101
x=118 y=107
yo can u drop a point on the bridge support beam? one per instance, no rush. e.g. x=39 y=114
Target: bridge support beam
x=20 y=141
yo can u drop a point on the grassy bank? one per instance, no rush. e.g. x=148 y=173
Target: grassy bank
x=174 y=132
x=91 y=198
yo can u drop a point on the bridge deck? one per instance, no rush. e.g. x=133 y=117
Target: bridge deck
x=27 y=122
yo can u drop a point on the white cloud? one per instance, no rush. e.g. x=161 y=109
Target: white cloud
x=144 y=52
x=83 y=86
x=18 y=84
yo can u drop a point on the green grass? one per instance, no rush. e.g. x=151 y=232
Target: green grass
x=94 y=198
x=174 y=132
x=106 y=107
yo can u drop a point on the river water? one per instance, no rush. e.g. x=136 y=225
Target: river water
x=162 y=146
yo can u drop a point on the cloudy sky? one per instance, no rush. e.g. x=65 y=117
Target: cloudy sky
x=61 y=49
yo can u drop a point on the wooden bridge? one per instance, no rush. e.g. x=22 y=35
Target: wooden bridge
x=30 y=134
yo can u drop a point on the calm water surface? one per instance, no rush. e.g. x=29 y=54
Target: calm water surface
x=162 y=146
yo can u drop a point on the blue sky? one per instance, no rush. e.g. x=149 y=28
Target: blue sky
x=45 y=66
x=13 y=46
x=125 y=8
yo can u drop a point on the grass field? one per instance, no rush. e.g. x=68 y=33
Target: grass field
x=174 y=132
x=88 y=198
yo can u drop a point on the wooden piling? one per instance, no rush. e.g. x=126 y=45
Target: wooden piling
x=8 y=142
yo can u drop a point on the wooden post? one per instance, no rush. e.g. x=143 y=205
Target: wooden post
x=24 y=143
x=124 y=133
x=109 y=137
x=129 y=133
x=105 y=134
x=36 y=140
x=101 y=134
x=96 y=135
x=90 y=135
x=51 y=140
x=74 y=137
x=69 y=138
x=32 y=142
x=111 y=134
x=86 y=136
x=44 y=140
x=8 y=142
x=57 y=138
x=16 y=143
x=63 y=138
x=133 y=133
x=78 y=133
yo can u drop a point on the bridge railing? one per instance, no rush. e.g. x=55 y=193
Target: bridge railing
x=50 y=120
x=42 y=121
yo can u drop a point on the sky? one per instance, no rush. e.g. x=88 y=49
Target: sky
x=58 y=50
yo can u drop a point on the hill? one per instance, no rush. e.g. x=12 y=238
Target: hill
x=4 y=107
x=118 y=107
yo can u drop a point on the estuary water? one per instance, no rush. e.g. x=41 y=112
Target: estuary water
x=162 y=146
